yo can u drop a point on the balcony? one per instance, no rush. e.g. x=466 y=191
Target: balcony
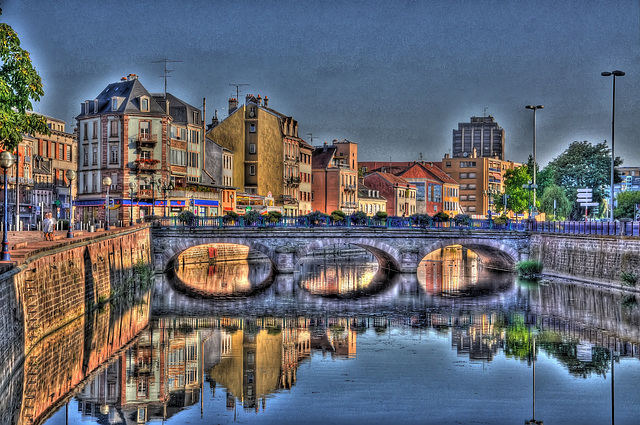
x=145 y=164
x=145 y=140
x=350 y=187
x=144 y=194
x=292 y=181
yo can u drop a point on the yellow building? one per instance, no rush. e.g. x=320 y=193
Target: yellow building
x=370 y=201
x=479 y=178
x=267 y=152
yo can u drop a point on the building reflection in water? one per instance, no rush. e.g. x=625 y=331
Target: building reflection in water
x=341 y=273
x=221 y=270
x=457 y=271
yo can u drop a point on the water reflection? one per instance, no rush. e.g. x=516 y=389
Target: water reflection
x=338 y=275
x=222 y=279
x=456 y=271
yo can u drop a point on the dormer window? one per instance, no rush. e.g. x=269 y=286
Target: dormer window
x=95 y=106
x=114 y=103
x=144 y=104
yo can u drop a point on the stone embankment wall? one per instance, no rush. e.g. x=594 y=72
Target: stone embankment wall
x=52 y=288
x=599 y=259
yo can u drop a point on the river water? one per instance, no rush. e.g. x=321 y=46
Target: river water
x=343 y=341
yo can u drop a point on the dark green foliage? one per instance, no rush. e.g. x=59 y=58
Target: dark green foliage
x=529 y=269
x=274 y=216
x=251 y=218
x=422 y=220
x=359 y=218
x=441 y=216
x=381 y=215
x=626 y=204
x=338 y=216
x=316 y=218
x=563 y=205
x=186 y=217
x=629 y=278
x=230 y=216
x=462 y=219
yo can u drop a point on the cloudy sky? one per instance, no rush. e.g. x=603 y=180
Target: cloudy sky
x=394 y=77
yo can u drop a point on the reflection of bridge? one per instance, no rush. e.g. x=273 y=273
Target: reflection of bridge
x=396 y=249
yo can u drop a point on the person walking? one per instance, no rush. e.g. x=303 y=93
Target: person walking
x=45 y=226
x=52 y=226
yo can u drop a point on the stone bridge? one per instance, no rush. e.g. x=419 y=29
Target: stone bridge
x=396 y=249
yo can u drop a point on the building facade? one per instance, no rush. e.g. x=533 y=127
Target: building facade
x=481 y=137
x=335 y=177
x=154 y=160
x=399 y=193
x=370 y=201
x=268 y=153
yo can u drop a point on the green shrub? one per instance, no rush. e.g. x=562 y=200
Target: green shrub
x=338 y=216
x=529 y=269
x=274 y=216
x=628 y=278
x=186 y=217
x=441 y=216
x=359 y=217
x=381 y=215
x=462 y=220
x=230 y=216
x=316 y=218
x=422 y=220
x=251 y=217
x=501 y=219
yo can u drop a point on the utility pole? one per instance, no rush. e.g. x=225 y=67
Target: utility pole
x=166 y=72
x=237 y=86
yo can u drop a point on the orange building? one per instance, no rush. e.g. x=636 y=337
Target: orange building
x=335 y=177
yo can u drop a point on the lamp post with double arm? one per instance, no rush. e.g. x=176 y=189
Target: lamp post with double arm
x=613 y=122
x=132 y=187
x=534 y=109
x=107 y=182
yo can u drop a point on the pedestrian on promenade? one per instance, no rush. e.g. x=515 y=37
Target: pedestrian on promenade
x=52 y=226
x=45 y=226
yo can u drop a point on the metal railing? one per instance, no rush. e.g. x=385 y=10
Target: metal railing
x=603 y=228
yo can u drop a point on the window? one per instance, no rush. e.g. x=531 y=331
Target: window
x=113 y=155
x=145 y=129
x=68 y=153
x=194 y=136
x=144 y=104
x=252 y=148
x=178 y=157
x=113 y=128
x=252 y=128
x=472 y=197
x=95 y=156
x=114 y=104
x=252 y=170
x=95 y=130
x=472 y=175
x=60 y=151
x=463 y=175
x=85 y=129
x=183 y=134
x=86 y=157
x=471 y=186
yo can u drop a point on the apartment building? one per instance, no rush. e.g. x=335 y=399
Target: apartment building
x=335 y=177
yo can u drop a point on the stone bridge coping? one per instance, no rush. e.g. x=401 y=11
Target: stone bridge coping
x=396 y=249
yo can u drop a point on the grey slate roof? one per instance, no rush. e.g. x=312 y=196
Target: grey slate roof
x=128 y=93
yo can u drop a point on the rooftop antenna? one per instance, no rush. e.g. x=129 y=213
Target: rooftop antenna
x=237 y=86
x=310 y=137
x=420 y=156
x=484 y=111
x=166 y=72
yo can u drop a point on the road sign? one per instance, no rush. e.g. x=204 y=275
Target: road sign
x=585 y=190
x=589 y=204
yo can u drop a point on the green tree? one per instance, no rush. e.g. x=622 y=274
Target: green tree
x=626 y=204
x=518 y=200
x=20 y=84
x=584 y=165
x=563 y=205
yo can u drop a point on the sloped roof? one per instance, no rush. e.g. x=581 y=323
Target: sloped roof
x=393 y=179
x=180 y=111
x=128 y=93
x=436 y=170
x=321 y=158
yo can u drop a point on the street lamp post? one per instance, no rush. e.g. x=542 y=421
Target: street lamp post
x=132 y=187
x=534 y=109
x=530 y=187
x=6 y=161
x=153 y=196
x=107 y=182
x=71 y=176
x=166 y=186
x=613 y=121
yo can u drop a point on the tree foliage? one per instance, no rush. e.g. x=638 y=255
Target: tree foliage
x=626 y=204
x=583 y=165
x=20 y=84
x=518 y=200
x=552 y=193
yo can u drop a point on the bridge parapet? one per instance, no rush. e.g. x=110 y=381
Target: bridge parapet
x=399 y=249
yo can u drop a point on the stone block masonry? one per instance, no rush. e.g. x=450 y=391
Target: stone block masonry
x=599 y=259
x=52 y=288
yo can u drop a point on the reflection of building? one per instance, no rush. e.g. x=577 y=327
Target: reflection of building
x=338 y=278
x=478 y=337
x=449 y=270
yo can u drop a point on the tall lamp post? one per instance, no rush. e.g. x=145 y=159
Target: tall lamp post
x=153 y=196
x=530 y=187
x=6 y=161
x=613 y=121
x=166 y=186
x=107 y=182
x=132 y=187
x=534 y=109
x=71 y=176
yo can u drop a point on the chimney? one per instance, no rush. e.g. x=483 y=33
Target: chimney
x=132 y=77
x=123 y=79
x=233 y=104
x=259 y=99
x=266 y=101
x=324 y=147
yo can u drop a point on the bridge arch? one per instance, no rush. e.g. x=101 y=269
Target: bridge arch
x=170 y=253
x=388 y=257
x=494 y=254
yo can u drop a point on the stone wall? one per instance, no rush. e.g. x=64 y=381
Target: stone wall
x=52 y=288
x=594 y=258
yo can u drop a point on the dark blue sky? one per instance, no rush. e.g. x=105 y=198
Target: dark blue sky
x=394 y=77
